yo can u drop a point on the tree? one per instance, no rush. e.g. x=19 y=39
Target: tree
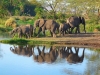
x=53 y=6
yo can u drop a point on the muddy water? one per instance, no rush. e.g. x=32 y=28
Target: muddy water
x=48 y=60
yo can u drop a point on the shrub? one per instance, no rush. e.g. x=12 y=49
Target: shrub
x=11 y=23
x=97 y=28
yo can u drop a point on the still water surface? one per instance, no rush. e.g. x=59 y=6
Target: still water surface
x=48 y=60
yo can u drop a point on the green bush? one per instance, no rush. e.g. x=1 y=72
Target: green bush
x=98 y=27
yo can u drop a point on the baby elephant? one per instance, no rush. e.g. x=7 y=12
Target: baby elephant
x=23 y=30
x=63 y=28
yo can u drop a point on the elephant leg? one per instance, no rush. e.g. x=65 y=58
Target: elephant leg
x=63 y=32
x=27 y=35
x=54 y=35
x=43 y=33
x=77 y=30
x=72 y=30
x=39 y=51
x=40 y=29
x=19 y=35
x=43 y=30
x=51 y=33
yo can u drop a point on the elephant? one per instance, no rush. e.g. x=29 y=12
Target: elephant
x=31 y=29
x=26 y=30
x=75 y=21
x=44 y=24
x=22 y=50
x=48 y=57
x=63 y=52
x=63 y=28
x=74 y=57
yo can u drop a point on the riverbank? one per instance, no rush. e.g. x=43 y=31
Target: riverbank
x=86 y=40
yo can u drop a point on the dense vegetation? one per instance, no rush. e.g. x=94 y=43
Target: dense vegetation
x=27 y=11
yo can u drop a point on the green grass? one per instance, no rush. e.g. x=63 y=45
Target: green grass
x=26 y=41
x=15 y=41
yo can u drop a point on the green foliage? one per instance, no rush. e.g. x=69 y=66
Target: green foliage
x=15 y=41
x=24 y=42
x=3 y=29
x=98 y=27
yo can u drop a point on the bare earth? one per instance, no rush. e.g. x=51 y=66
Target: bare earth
x=88 y=39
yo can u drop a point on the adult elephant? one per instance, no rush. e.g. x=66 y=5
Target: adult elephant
x=48 y=57
x=75 y=21
x=26 y=30
x=63 y=28
x=74 y=57
x=63 y=52
x=46 y=25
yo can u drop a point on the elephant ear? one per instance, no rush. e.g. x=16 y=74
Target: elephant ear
x=41 y=22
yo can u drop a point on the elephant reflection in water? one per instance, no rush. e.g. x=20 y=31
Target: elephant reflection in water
x=22 y=50
x=63 y=52
x=70 y=56
x=49 y=57
x=74 y=57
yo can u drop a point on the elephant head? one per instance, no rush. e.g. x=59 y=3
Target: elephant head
x=39 y=23
x=22 y=50
x=15 y=30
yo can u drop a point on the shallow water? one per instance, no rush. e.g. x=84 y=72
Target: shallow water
x=48 y=60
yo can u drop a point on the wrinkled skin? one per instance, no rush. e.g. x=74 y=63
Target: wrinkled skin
x=46 y=25
x=25 y=30
x=31 y=29
x=22 y=50
x=48 y=57
x=63 y=28
x=75 y=21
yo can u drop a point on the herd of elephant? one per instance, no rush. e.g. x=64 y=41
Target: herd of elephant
x=43 y=55
x=44 y=24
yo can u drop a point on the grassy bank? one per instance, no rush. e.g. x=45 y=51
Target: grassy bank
x=81 y=39
x=26 y=41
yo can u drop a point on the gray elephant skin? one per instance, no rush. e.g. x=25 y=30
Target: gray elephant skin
x=64 y=28
x=75 y=21
x=22 y=50
x=48 y=57
x=46 y=25
x=74 y=57
x=23 y=30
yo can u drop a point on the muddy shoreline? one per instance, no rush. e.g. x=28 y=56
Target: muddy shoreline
x=83 y=40
x=87 y=40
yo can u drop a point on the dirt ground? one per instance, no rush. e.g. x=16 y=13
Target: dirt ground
x=87 y=40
